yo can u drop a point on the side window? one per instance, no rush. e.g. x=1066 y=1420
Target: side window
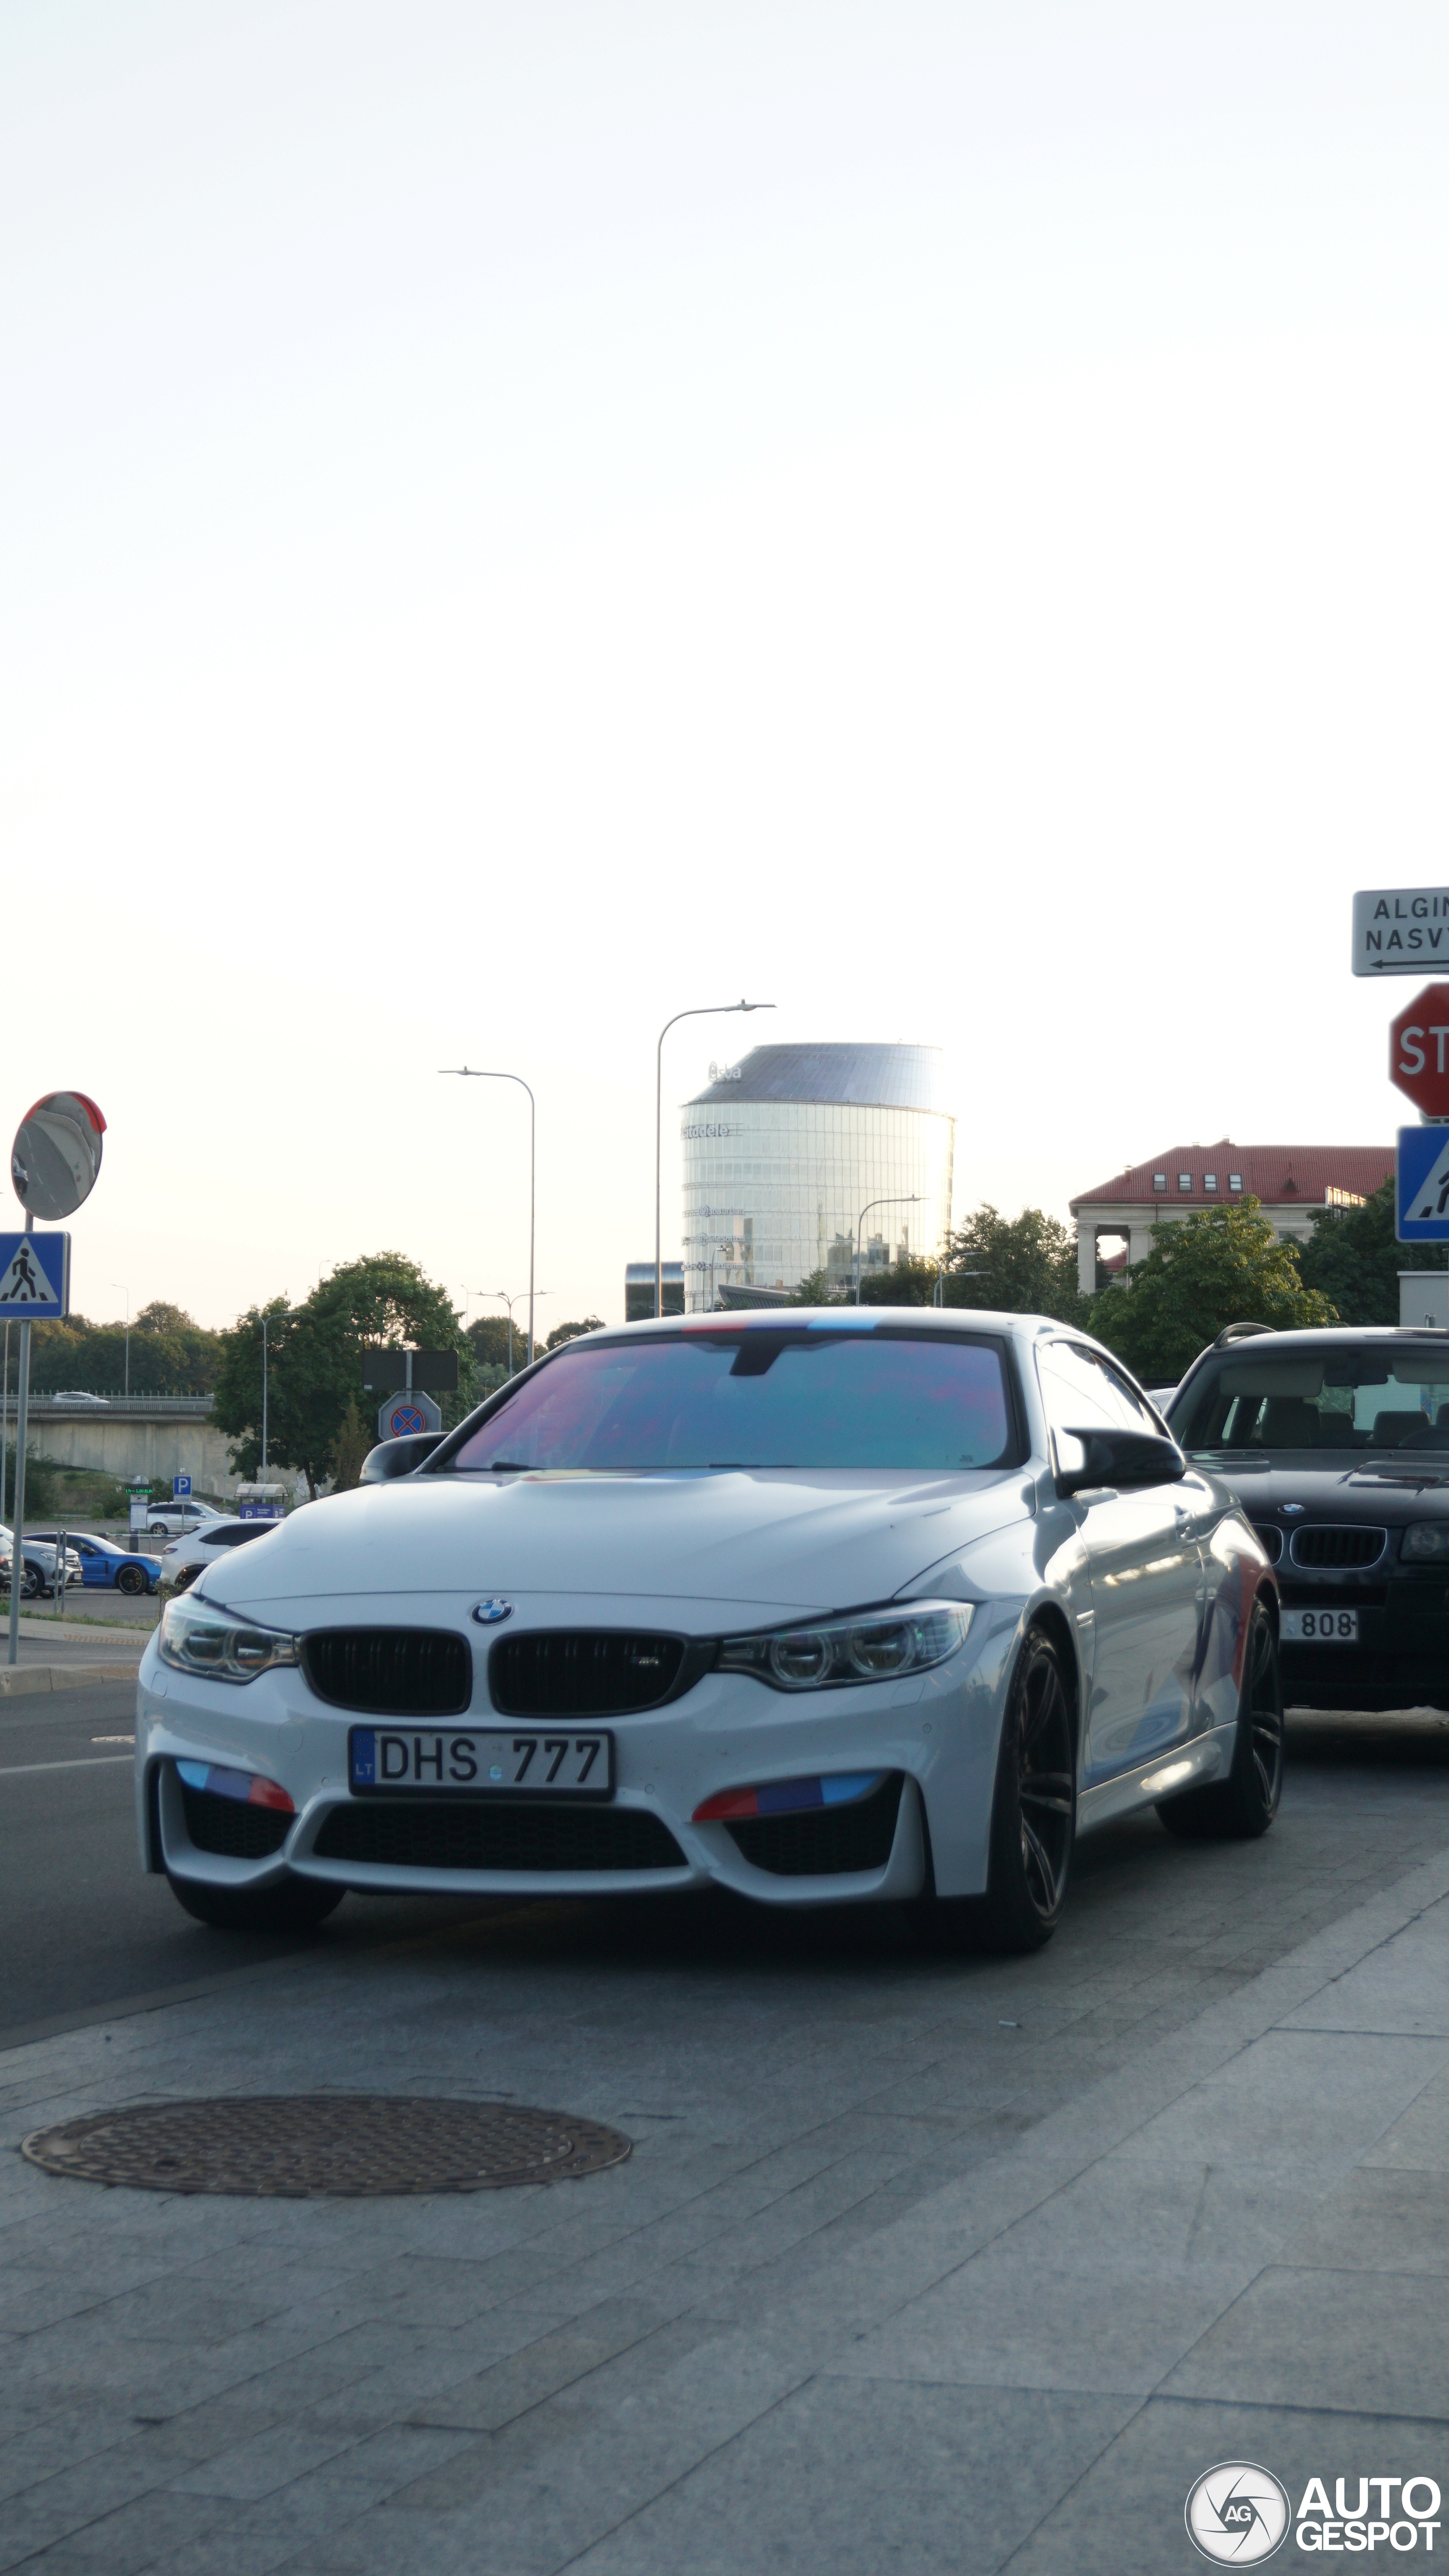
x=1078 y=1393
x=1137 y=1414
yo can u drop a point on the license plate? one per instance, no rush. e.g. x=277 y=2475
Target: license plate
x=477 y=1763
x=1320 y=1627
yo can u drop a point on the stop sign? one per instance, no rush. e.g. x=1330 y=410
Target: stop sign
x=1419 y=1051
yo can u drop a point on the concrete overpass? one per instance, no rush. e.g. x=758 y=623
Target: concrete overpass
x=156 y=1436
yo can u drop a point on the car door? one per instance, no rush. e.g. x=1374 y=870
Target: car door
x=93 y=1565
x=1145 y=1564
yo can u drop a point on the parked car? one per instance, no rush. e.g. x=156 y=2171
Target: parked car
x=106 y=1565
x=38 y=1563
x=1337 y=1444
x=872 y=1605
x=185 y=1558
x=188 y=1513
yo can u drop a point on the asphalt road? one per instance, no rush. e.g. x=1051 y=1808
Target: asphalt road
x=82 y=1929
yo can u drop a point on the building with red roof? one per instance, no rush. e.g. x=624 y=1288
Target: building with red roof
x=1114 y=1221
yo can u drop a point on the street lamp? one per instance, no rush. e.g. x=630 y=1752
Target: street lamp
x=126 y=1293
x=706 y=1011
x=913 y=1201
x=472 y=1073
x=509 y=1302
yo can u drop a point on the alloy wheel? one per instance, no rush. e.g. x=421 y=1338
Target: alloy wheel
x=1045 y=1783
x=1265 y=1713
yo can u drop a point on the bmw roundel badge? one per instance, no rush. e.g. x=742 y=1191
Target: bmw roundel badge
x=489 y=1612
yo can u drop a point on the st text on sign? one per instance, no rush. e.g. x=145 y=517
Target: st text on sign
x=1419 y=1051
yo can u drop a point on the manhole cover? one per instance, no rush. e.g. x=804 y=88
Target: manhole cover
x=308 y=2146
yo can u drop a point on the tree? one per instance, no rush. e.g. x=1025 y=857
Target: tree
x=1222 y=1265
x=354 y=1439
x=570 y=1332
x=911 y=1282
x=314 y=1359
x=1022 y=1265
x=1353 y=1257
x=488 y=1339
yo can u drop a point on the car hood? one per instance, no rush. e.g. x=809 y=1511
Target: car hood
x=759 y=1542
x=1385 y=1491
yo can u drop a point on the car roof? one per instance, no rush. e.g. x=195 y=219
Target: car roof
x=809 y=1319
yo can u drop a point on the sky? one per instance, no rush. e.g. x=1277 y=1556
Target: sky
x=519 y=522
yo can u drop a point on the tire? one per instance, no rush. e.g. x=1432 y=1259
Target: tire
x=158 y=1529
x=129 y=1578
x=296 y=1905
x=1244 y=1805
x=30 y=1583
x=1033 y=1816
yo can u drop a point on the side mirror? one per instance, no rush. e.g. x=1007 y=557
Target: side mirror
x=398 y=1457
x=1126 y=1459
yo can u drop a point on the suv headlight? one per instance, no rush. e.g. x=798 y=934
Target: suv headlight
x=1426 y=1539
x=197 y=1639
x=875 y=1646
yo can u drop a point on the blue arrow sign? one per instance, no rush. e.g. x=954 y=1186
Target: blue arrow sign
x=1422 y=1194
x=34 y=1277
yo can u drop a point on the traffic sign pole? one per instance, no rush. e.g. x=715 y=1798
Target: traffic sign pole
x=17 y=1548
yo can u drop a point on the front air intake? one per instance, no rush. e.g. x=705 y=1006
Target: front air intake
x=390 y=1672
x=583 y=1672
x=1331 y=1543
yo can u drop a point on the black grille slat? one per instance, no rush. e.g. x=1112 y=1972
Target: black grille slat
x=232 y=1827
x=437 y=1834
x=824 y=1842
x=1272 y=1540
x=1336 y=1543
x=582 y=1672
x=390 y=1672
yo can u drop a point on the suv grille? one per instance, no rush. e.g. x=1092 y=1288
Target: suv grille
x=1272 y=1538
x=229 y=1825
x=469 y=1834
x=824 y=1842
x=390 y=1672
x=1330 y=1543
x=582 y=1672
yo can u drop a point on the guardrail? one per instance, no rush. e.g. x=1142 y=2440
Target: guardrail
x=194 y=1407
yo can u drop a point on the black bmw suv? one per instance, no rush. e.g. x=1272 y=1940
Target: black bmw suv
x=1337 y=1446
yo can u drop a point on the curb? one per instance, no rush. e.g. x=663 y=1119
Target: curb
x=18 y=1681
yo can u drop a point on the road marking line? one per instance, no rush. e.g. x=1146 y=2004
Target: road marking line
x=83 y=1762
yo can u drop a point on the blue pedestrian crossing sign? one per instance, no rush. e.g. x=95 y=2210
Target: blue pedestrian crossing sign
x=180 y=1488
x=34 y=1277
x=1422 y=1194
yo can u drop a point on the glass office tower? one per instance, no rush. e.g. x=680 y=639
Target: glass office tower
x=784 y=1151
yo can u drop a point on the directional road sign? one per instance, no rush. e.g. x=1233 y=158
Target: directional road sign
x=403 y=1414
x=1419 y=1051
x=181 y=1488
x=34 y=1276
x=1399 y=930
x=1421 y=1198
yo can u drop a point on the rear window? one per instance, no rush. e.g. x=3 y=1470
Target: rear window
x=1345 y=1398
x=758 y=1399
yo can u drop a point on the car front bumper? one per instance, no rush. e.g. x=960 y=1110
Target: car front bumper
x=936 y=1734
x=1400 y=1658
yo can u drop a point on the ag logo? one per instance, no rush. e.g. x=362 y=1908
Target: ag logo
x=488 y=1613
x=1237 y=2513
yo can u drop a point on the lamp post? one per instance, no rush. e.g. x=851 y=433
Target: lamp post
x=914 y=1200
x=509 y=1302
x=706 y=1011
x=126 y=1293
x=472 y=1073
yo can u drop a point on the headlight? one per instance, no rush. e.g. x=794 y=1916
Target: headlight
x=1426 y=1539
x=197 y=1639
x=876 y=1646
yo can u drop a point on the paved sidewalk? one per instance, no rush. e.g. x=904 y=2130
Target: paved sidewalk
x=924 y=2267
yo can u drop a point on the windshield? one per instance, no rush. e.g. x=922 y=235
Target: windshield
x=758 y=1399
x=1355 y=1396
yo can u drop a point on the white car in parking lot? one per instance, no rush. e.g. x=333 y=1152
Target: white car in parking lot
x=188 y=1555
x=832 y=1605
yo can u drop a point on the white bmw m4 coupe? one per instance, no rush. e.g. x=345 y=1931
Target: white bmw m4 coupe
x=818 y=1605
